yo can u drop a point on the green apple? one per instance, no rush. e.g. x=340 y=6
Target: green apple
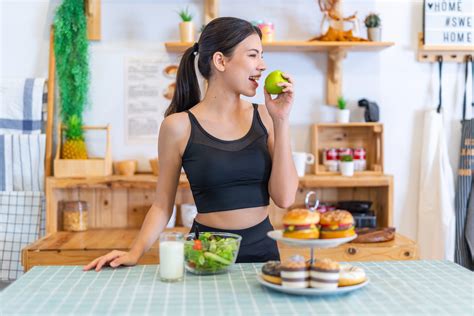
x=272 y=81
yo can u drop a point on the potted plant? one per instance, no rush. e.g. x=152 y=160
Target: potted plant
x=373 y=24
x=186 y=27
x=347 y=166
x=343 y=114
x=71 y=49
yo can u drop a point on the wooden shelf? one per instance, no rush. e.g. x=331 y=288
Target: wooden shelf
x=141 y=181
x=336 y=51
x=313 y=181
x=301 y=46
x=354 y=124
x=147 y=181
x=431 y=53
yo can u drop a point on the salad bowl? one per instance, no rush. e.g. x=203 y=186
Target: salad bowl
x=211 y=253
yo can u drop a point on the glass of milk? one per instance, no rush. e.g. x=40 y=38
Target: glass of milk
x=171 y=256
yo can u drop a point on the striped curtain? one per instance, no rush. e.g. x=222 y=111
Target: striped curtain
x=464 y=249
x=22 y=153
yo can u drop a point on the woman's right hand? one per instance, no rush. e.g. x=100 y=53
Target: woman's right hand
x=114 y=259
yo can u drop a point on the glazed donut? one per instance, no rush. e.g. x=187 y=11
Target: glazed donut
x=350 y=275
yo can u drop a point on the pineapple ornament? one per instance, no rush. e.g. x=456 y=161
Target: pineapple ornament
x=74 y=147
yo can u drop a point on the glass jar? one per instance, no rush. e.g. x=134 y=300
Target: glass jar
x=75 y=216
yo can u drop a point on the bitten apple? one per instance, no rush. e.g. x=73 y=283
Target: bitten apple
x=272 y=81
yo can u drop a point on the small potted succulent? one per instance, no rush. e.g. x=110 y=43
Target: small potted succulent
x=373 y=24
x=186 y=27
x=343 y=113
x=347 y=166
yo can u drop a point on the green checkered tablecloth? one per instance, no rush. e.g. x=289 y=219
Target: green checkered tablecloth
x=396 y=287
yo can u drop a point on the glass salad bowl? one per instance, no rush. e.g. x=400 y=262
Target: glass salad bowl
x=211 y=253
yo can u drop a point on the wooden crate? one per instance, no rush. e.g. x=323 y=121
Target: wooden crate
x=350 y=135
x=92 y=167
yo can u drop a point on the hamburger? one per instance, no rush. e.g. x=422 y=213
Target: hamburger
x=301 y=224
x=337 y=224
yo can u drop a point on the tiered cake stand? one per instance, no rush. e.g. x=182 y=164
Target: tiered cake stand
x=312 y=244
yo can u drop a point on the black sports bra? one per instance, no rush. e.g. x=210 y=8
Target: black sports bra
x=226 y=175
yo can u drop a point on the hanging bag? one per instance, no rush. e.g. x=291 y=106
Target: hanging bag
x=464 y=248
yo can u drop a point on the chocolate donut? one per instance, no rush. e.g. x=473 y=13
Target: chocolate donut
x=271 y=272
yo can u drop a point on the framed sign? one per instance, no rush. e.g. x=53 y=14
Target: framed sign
x=448 y=22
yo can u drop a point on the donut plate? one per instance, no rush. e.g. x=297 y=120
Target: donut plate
x=311 y=291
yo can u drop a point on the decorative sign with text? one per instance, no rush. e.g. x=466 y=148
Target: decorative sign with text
x=448 y=22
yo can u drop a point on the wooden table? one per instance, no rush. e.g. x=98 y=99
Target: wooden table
x=79 y=248
x=395 y=288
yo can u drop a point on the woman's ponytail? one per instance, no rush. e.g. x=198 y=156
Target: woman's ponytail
x=220 y=35
x=187 y=93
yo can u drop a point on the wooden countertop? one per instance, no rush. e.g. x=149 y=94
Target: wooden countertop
x=79 y=248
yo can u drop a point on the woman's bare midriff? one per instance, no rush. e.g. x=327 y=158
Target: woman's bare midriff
x=234 y=219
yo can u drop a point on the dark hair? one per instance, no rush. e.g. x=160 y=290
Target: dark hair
x=220 y=35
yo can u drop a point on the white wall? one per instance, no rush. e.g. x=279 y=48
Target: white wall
x=393 y=78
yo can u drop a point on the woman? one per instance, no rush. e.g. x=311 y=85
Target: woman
x=236 y=154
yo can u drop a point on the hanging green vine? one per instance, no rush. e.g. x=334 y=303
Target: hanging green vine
x=72 y=61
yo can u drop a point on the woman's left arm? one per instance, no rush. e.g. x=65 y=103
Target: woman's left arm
x=283 y=178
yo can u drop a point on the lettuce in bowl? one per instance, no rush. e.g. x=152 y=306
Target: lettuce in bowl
x=211 y=253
